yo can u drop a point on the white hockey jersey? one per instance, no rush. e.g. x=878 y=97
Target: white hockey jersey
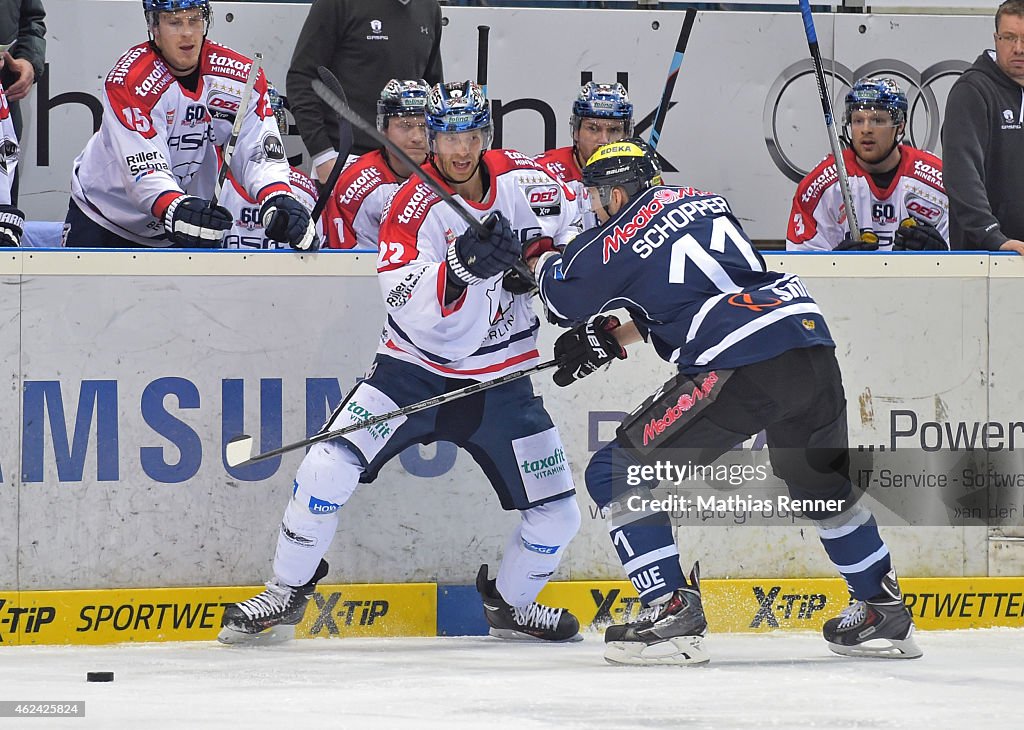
x=247 y=231
x=159 y=141
x=10 y=150
x=818 y=219
x=561 y=164
x=354 y=210
x=487 y=332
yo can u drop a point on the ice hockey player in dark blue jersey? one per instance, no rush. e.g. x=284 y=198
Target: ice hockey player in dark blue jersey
x=753 y=352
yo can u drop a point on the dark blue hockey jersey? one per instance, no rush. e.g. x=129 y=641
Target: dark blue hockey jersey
x=678 y=261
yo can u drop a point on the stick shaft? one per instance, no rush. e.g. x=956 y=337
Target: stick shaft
x=673 y=74
x=344 y=144
x=830 y=122
x=406 y=411
x=236 y=128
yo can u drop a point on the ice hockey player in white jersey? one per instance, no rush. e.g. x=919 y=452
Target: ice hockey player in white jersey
x=601 y=113
x=147 y=176
x=357 y=201
x=12 y=220
x=897 y=190
x=247 y=231
x=451 y=321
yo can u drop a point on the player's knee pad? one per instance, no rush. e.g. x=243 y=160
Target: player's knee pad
x=611 y=473
x=550 y=527
x=326 y=479
x=819 y=470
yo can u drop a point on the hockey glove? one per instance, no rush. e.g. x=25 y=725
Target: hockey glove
x=192 y=223
x=868 y=242
x=913 y=235
x=520 y=280
x=12 y=224
x=472 y=259
x=285 y=219
x=585 y=348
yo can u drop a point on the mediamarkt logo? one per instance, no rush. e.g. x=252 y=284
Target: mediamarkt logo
x=674 y=412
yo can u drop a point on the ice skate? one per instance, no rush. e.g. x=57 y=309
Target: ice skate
x=531 y=623
x=880 y=627
x=668 y=633
x=271 y=616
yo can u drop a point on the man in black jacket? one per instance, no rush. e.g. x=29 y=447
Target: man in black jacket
x=365 y=43
x=21 y=21
x=983 y=143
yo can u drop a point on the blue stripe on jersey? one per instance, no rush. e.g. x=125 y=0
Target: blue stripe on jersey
x=486 y=349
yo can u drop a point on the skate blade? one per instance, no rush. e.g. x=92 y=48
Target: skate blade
x=678 y=651
x=274 y=635
x=881 y=649
x=512 y=635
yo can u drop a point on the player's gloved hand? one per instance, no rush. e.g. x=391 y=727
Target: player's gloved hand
x=868 y=242
x=585 y=348
x=12 y=225
x=286 y=220
x=913 y=235
x=191 y=222
x=520 y=280
x=472 y=258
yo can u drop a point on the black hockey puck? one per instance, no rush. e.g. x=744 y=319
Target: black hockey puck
x=99 y=676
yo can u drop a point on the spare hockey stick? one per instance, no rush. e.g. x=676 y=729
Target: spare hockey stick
x=236 y=128
x=673 y=74
x=238 y=450
x=481 y=56
x=830 y=122
x=344 y=143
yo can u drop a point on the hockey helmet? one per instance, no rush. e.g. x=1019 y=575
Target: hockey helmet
x=153 y=8
x=881 y=93
x=405 y=98
x=630 y=164
x=602 y=101
x=458 y=106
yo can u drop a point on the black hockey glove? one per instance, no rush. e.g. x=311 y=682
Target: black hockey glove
x=913 y=235
x=585 y=348
x=472 y=259
x=12 y=225
x=868 y=242
x=192 y=223
x=520 y=280
x=285 y=219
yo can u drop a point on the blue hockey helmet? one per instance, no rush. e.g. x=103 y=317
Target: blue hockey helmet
x=630 y=164
x=881 y=93
x=401 y=98
x=602 y=101
x=458 y=106
x=153 y=8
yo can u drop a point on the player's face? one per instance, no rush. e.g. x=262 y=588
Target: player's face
x=457 y=154
x=179 y=36
x=595 y=132
x=608 y=205
x=1010 y=47
x=873 y=134
x=410 y=134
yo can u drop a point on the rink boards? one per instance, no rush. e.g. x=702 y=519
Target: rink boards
x=427 y=609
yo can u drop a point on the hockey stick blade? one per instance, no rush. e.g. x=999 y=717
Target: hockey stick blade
x=673 y=74
x=344 y=143
x=238 y=451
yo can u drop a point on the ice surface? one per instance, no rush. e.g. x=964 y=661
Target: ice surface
x=967 y=679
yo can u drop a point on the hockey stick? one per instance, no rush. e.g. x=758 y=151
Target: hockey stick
x=673 y=74
x=236 y=128
x=830 y=122
x=481 y=57
x=238 y=450
x=344 y=144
